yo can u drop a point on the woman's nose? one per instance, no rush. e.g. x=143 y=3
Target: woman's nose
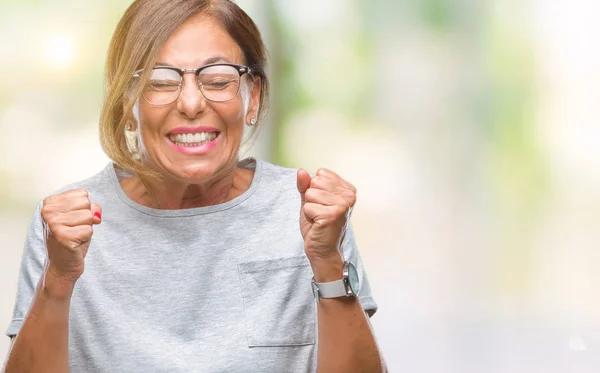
x=191 y=101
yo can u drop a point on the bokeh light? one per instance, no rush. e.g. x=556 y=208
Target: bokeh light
x=60 y=50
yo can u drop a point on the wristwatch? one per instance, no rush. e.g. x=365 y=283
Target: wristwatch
x=347 y=286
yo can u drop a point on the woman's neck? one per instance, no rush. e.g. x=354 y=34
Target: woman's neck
x=171 y=195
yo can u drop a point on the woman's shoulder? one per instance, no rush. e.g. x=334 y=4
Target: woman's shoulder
x=98 y=183
x=272 y=174
x=271 y=180
x=277 y=171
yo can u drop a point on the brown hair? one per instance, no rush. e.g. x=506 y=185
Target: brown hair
x=137 y=40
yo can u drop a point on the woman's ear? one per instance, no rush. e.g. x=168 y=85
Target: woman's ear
x=131 y=134
x=254 y=104
x=131 y=118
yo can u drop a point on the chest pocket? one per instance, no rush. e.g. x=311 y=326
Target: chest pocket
x=279 y=307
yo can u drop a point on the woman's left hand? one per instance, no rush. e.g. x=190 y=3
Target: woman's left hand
x=327 y=201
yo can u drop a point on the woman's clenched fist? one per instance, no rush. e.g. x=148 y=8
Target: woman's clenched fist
x=68 y=220
x=326 y=203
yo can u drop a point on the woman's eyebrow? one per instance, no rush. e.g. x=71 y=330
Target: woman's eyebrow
x=215 y=59
x=208 y=61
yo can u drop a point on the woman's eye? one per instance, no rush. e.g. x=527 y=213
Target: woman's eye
x=163 y=85
x=218 y=83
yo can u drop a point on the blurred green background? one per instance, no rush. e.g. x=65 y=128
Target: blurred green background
x=470 y=129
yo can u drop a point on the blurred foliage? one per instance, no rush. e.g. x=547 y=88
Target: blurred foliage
x=516 y=168
x=437 y=14
x=286 y=94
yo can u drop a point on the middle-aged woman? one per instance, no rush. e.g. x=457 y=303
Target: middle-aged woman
x=195 y=260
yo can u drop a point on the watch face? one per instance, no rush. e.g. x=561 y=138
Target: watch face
x=353 y=278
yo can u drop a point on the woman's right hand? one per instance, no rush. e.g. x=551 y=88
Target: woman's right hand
x=68 y=219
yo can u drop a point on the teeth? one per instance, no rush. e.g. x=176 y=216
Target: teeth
x=193 y=138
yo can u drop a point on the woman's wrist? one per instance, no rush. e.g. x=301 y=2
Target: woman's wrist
x=56 y=288
x=327 y=269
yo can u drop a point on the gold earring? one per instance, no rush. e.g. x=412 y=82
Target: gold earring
x=132 y=142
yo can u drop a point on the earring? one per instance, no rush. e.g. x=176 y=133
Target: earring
x=252 y=121
x=131 y=141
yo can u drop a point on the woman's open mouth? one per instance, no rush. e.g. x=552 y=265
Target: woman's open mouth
x=192 y=140
x=193 y=143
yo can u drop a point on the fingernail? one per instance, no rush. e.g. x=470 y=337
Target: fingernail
x=97 y=214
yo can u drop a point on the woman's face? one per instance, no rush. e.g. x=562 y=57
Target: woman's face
x=197 y=42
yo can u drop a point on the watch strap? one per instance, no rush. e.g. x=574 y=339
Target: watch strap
x=333 y=289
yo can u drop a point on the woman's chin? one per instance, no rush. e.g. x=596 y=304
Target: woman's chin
x=194 y=169
x=196 y=172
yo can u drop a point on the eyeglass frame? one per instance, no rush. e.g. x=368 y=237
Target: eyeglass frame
x=241 y=69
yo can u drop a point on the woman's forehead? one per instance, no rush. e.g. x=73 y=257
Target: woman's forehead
x=198 y=41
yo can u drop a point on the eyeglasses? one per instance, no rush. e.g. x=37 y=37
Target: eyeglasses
x=218 y=82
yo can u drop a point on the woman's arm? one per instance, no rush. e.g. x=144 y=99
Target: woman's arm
x=346 y=341
x=42 y=342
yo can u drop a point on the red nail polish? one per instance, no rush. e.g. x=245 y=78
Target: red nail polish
x=97 y=214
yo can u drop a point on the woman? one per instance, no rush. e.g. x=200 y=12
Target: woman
x=194 y=260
